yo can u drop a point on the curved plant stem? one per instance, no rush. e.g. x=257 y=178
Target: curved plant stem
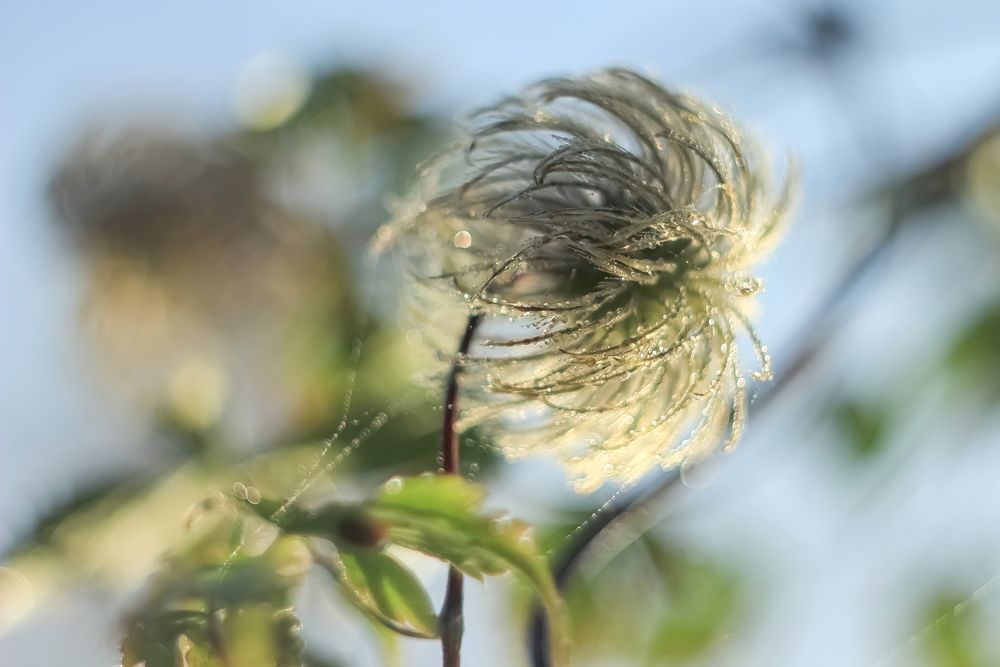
x=816 y=333
x=451 y=610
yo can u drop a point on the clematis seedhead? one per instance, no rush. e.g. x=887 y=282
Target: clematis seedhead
x=604 y=226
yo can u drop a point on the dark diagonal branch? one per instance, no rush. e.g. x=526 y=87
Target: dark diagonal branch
x=818 y=330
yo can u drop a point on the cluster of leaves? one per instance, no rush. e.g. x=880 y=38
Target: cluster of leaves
x=214 y=605
x=213 y=600
x=310 y=326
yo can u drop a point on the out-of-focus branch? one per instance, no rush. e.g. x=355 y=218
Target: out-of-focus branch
x=818 y=330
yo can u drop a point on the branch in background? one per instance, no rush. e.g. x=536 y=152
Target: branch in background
x=819 y=329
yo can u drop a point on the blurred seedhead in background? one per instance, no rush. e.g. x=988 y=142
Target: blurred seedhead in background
x=203 y=253
x=193 y=267
x=222 y=298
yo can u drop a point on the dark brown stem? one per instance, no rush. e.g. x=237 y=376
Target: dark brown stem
x=451 y=610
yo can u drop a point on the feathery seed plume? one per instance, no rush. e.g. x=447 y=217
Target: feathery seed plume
x=604 y=226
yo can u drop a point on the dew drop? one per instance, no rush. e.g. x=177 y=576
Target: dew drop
x=252 y=495
x=499 y=525
x=394 y=485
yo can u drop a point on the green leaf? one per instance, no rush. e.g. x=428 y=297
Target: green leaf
x=439 y=515
x=432 y=495
x=213 y=606
x=385 y=589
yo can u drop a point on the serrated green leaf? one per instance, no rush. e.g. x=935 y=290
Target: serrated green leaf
x=439 y=515
x=386 y=590
x=434 y=495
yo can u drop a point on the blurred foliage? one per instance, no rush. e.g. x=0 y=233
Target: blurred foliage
x=670 y=606
x=95 y=497
x=211 y=287
x=211 y=606
x=974 y=354
x=439 y=516
x=954 y=638
x=388 y=591
x=703 y=598
x=377 y=142
x=220 y=297
x=311 y=660
x=224 y=598
x=654 y=604
x=864 y=426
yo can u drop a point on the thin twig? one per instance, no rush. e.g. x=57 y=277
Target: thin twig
x=451 y=621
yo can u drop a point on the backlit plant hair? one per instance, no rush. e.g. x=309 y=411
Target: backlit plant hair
x=602 y=227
